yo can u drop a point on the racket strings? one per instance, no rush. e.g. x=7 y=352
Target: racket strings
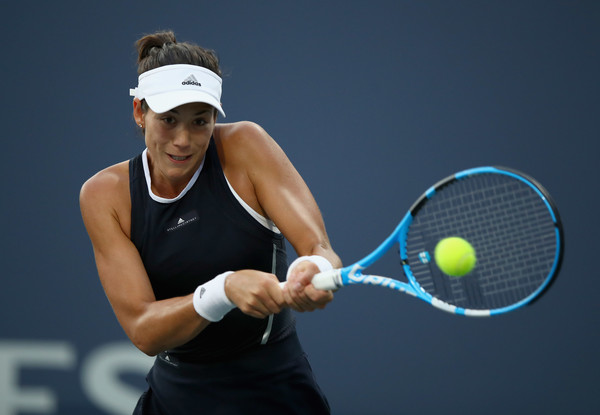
x=508 y=224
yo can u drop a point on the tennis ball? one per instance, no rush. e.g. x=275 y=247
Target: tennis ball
x=455 y=256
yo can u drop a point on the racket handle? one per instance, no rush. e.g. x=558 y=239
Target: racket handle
x=328 y=280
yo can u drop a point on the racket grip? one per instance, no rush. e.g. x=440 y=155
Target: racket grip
x=328 y=280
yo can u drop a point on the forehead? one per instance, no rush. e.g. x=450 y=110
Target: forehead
x=193 y=108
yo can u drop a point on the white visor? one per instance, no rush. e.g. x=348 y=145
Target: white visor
x=170 y=86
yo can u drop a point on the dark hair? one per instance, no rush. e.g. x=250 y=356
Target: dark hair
x=161 y=48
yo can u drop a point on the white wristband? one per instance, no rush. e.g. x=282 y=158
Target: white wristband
x=210 y=300
x=321 y=262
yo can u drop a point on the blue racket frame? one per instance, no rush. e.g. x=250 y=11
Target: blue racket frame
x=353 y=274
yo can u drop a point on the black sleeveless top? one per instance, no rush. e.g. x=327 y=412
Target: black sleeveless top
x=188 y=241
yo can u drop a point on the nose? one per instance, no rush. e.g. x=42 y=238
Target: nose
x=182 y=137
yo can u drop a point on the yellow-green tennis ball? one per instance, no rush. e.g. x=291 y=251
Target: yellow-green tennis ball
x=455 y=256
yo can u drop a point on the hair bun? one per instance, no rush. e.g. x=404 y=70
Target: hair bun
x=146 y=44
x=161 y=48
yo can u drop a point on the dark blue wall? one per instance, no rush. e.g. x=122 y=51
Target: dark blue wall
x=373 y=101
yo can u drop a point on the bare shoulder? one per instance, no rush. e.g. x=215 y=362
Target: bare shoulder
x=240 y=129
x=246 y=141
x=107 y=182
x=107 y=194
x=252 y=161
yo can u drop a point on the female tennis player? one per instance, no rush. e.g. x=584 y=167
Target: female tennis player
x=188 y=238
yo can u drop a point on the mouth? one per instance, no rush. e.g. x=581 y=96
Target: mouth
x=178 y=159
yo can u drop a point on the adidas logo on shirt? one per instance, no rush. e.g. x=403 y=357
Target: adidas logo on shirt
x=191 y=80
x=178 y=222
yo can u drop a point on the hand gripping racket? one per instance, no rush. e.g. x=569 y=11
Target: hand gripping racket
x=507 y=217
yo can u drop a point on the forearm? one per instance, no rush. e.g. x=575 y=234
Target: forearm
x=166 y=324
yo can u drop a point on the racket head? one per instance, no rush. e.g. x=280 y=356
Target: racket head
x=513 y=225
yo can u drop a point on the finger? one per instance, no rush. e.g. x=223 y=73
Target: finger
x=275 y=293
x=267 y=304
x=270 y=300
x=301 y=299
x=312 y=298
x=318 y=296
x=321 y=300
x=303 y=272
x=294 y=299
x=259 y=309
x=290 y=300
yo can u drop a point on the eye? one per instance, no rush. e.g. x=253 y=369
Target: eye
x=200 y=121
x=168 y=120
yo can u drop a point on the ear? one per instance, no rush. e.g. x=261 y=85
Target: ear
x=138 y=113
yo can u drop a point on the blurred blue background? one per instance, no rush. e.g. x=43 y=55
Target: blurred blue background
x=373 y=101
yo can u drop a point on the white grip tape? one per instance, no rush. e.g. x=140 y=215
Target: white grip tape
x=328 y=280
x=210 y=300
x=321 y=262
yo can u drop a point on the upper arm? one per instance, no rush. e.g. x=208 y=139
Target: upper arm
x=119 y=265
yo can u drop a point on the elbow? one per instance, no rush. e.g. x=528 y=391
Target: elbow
x=143 y=333
x=144 y=343
x=148 y=351
x=145 y=348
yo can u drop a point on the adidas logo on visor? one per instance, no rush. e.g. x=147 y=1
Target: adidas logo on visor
x=191 y=80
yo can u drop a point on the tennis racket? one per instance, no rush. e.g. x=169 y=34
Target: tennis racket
x=509 y=219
